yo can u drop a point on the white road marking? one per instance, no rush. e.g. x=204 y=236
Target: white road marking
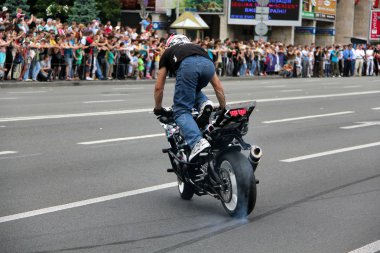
x=7 y=98
x=3 y=126
x=308 y=117
x=362 y=124
x=331 y=152
x=330 y=83
x=8 y=152
x=310 y=80
x=20 y=156
x=27 y=92
x=376 y=108
x=103 y=101
x=129 y=88
x=85 y=202
x=58 y=116
x=290 y=90
x=74 y=115
x=121 y=139
x=114 y=94
x=352 y=86
x=369 y=248
x=275 y=86
x=315 y=96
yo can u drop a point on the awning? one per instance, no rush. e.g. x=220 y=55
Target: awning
x=189 y=20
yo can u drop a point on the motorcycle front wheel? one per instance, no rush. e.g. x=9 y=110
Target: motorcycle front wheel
x=238 y=194
x=185 y=190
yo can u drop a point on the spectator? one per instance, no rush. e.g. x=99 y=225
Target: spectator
x=318 y=62
x=335 y=62
x=46 y=71
x=305 y=61
x=369 y=56
x=95 y=51
x=287 y=71
x=359 y=55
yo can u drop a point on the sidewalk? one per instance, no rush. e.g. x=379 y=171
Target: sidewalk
x=21 y=84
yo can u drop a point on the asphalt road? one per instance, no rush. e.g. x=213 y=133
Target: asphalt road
x=81 y=170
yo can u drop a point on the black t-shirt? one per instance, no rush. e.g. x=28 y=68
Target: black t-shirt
x=376 y=54
x=32 y=25
x=173 y=56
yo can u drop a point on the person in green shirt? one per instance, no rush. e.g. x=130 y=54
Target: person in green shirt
x=78 y=57
x=111 y=63
x=140 y=66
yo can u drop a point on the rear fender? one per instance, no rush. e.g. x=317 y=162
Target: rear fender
x=227 y=149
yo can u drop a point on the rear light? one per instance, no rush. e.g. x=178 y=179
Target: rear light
x=237 y=112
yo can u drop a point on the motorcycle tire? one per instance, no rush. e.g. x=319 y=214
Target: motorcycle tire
x=239 y=193
x=185 y=190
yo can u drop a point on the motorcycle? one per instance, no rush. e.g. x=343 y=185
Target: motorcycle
x=222 y=171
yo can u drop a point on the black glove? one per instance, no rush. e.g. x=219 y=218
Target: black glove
x=160 y=112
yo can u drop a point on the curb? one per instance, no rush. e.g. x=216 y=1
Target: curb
x=19 y=84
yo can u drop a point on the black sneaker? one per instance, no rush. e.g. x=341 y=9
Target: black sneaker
x=205 y=113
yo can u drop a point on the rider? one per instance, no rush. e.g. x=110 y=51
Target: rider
x=194 y=70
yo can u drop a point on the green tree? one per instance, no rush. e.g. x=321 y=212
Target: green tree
x=12 y=6
x=83 y=11
x=39 y=9
x=109 y=10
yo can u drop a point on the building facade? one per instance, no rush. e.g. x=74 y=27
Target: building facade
x=323 y=22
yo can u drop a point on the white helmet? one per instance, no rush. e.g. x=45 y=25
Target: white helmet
x=175 y=39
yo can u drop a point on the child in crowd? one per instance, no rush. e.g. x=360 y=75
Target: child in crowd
x=140 y=66
x=111 y=62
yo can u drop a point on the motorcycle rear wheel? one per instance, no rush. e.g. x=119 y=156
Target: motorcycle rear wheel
x=185 y=190
x=239 y=192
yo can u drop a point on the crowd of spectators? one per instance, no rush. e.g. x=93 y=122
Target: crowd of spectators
x=33 y=49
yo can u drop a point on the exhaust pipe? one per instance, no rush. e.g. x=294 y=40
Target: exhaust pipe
x=255 y=156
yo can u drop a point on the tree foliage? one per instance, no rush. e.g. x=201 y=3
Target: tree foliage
x=109 y=10
x=83 y=11
x=12 y=6
x=80 y=10
x=39 y=9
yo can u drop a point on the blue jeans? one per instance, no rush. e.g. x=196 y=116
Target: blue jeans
x=353 y=67
x=258 y=66
x=99 y=70
x=253 y=68
x=243 y=69
x=193 y=74
x=36 y=70
x=69 y=64
x=26 y=74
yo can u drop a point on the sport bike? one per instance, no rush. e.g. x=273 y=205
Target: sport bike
x=222 y=171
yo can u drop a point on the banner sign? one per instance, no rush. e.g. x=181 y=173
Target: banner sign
x=306 y=30
x=281 y=12
x=202 y=7
x=308 y=14
x=319 y=9
x=325 y=9
x=325 y=32
x=375 y=25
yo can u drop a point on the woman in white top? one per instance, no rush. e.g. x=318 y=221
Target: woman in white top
x=369 y=57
